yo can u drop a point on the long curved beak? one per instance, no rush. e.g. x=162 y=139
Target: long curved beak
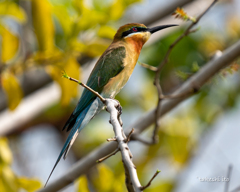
x=158 y=28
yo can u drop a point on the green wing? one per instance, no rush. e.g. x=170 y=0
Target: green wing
x=108 y=66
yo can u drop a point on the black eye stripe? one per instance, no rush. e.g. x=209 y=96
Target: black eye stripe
x=139 y=29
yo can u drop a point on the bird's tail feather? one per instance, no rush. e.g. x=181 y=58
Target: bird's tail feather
x=70 y=139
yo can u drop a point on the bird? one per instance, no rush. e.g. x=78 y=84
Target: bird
x=110 y=73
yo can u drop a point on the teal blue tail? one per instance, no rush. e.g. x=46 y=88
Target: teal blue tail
x=78 y=125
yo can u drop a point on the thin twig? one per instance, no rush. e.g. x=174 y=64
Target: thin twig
x=152 y=68
x=165 y=61
x=149 y=183
x=137 y=137
x=226 y=188
x=112 y=139
x=85 y=86
x=200 y=78
x=107 y=156
x=182 y=95
x=129 y=136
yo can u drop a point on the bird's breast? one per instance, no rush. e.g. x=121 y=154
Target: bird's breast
x=116 y=83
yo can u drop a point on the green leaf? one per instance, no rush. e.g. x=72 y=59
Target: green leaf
x=195 y=67
x=181 y=74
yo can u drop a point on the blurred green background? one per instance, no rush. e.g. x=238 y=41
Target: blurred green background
x=40 y=38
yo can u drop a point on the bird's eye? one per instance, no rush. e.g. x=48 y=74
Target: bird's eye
x=134 y=29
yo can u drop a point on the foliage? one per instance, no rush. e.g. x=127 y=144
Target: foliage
x=64 y=32
x=180 y=13
x=9 y=181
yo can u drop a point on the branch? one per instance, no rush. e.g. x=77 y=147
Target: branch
x=149 y=183
x=115 y=110
x=141 y=124
x=111 y=106
x=229 y=172
x=109 y=155
x=164 y=62
x=85 y=86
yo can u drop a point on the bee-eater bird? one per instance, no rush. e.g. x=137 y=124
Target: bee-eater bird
x=108 y=77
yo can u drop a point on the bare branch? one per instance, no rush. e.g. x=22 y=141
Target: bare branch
x=149 y=183
x=112 y=139
x=85 y=86
x=107 y=156
x=152 y=68
x=129 y=136
x=141 y=124
x=165 y=61
x=122 y=145
x=137 y=137
x=229 y=172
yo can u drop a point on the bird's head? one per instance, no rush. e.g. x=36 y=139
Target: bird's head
x=136 y=32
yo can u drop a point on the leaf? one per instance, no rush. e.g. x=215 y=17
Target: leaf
x=195 y=67
x=68 y=88
x=117 y=9
x=96 y=48
x=163 y=186
x=64 y=19
x=180 y=13
x=11 y=9
x=106 y=32
x=8 y=180
x=82 y=184
x=9 y=46
x=182 y=75
x=43 y=24
x=29 y=185
x=5 y=152
x=13 y=90
x=179 y=137
x=105 y=174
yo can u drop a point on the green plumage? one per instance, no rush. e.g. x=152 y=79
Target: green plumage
x=108 y=66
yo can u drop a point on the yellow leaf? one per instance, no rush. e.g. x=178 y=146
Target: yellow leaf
x=5 y=152
x=13 y=90
x=105 y=174
x=8 y=180
x=179 y=137
x=163 y=186
x=11 y=9
x=43 y=24
x=29 y=185
x=64 y=19
x=117 y=9
x=9 y=46
x=96 y=49
x=106 y=32
x=69 y=88
x=82 y=184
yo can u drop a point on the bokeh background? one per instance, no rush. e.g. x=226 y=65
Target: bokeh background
x=198 y=140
